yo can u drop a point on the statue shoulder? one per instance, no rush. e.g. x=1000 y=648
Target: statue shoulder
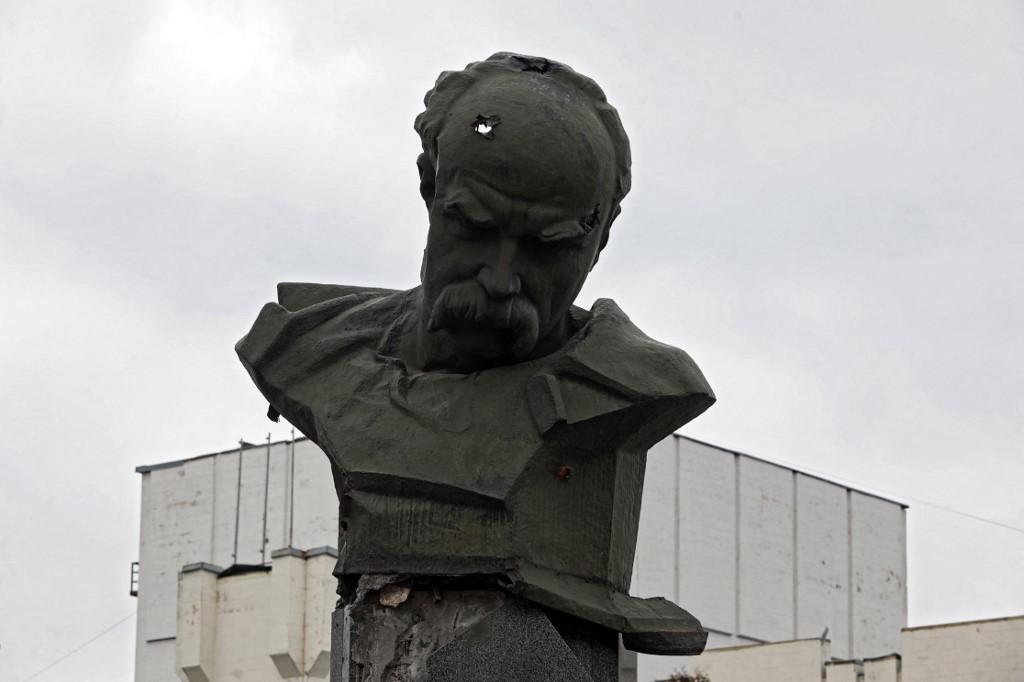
x=303 y=310
x=613 y=376
x=295 y=296
x=628 y=359
x=312 y=328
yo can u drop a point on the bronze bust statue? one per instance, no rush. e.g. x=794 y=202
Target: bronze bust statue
x=480 y=424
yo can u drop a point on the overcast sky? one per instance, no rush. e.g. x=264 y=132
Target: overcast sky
x=828 y=214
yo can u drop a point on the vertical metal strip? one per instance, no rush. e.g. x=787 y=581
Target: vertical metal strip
x=736 y=534
x=849 y=574
x=266 y=502
x=796 y=559
x=285 y=495
x=213 y=512
x=903 y=544
x=291 y=493
x=678 y=522
x=238 y=500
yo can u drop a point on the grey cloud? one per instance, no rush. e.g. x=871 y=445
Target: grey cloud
x=827 y=214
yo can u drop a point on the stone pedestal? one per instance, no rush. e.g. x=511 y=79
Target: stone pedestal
x=391 y=633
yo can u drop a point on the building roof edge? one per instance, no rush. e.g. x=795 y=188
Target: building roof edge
x=146 y=468
x=954 y=624
x=788 y=467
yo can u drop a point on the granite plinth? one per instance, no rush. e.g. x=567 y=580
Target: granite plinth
x=391 y=633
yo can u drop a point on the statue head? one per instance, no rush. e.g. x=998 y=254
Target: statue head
x=523 y=168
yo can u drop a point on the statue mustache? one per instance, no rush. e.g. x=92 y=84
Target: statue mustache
x=467 y=302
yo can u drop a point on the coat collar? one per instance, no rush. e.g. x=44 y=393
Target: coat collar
x=606 y=368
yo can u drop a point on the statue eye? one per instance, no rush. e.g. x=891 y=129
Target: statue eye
x=460 y=226
x=558 y=240
x=553 y=249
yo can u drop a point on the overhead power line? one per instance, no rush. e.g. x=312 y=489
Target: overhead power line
x=968 y=515
x=78 y=648
x=871 y=488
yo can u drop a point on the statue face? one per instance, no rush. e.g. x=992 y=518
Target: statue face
x=519 y=210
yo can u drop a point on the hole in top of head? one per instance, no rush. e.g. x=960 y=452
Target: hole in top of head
x=485 y=125
x=537 y=64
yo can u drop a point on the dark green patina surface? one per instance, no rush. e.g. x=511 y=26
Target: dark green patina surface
x=480 y=425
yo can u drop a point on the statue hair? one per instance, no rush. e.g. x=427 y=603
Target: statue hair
x=451 y=85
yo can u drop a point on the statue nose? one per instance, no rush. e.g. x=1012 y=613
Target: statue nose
x=498 y=278
x=499 y=282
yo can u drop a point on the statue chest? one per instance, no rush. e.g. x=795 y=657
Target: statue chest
x=388 y=429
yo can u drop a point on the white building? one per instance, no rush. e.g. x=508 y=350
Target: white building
x=763 y=553
x=974 y=651
x=758 y=552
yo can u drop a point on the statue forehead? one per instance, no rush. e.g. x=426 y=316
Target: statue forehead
x=529 y=136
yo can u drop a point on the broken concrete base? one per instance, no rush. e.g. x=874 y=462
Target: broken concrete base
x=397 y=634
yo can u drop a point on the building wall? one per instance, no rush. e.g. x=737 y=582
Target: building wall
x=822 y=563
x=882 y=669
x=265 y=623
x=757 y=551
x=762 y=553
x=844 y=671
x=189 y=512
x=795 y=661
x=980 y=651
x=878 y=564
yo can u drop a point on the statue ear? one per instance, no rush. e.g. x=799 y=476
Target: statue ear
x=427 y=174
x=604 y=233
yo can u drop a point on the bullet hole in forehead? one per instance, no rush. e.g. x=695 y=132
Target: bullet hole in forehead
x=485 y=125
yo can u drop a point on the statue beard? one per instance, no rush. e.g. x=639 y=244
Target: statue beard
x=466 y=306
